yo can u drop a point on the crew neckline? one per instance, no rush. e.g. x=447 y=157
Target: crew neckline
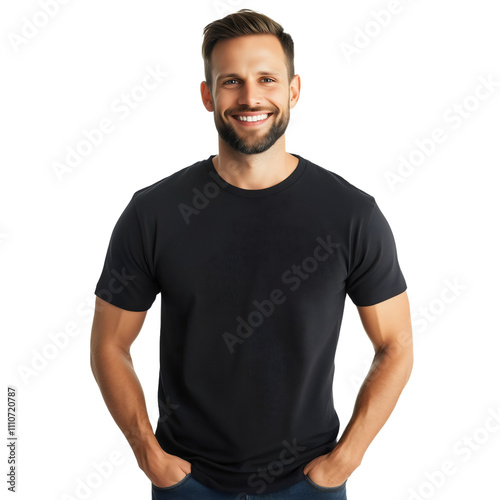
x=255 y=193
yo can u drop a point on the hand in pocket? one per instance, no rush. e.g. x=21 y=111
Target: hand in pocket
x=167 y=470
x=323 y=471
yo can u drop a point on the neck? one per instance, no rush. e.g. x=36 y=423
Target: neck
x=257 y=171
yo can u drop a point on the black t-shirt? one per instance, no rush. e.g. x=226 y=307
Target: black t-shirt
x=253 y=286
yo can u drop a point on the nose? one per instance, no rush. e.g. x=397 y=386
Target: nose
x=249 y=94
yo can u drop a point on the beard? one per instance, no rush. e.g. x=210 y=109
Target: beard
x=256 y=142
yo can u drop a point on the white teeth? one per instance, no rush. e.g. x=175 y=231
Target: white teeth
x=255 y=118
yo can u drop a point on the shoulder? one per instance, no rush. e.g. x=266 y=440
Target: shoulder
x=335 y=187
x=172 y=188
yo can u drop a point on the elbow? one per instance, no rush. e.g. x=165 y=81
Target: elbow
x=400 y=355
x=405 y=358
x=94 y=359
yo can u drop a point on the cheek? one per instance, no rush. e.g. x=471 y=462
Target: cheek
x=278 y=98
x=222 y=104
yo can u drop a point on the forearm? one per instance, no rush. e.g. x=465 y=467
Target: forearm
x=122 y=392
x=375 y=402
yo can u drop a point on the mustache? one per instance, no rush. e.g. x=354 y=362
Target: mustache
x=250 y=110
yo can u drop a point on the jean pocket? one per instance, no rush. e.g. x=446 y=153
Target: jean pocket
x=176 y=485
x=311 y=483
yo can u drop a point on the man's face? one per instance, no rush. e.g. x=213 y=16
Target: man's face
x=250 y=82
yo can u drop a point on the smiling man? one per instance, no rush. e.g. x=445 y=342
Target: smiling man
x=254 y=251
x=246 y=125
x=250 y=86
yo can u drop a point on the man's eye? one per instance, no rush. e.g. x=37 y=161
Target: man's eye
x=228 y=82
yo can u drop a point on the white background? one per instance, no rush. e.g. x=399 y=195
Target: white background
x=356 y=116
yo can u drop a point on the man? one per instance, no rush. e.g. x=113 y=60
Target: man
x=253 y=251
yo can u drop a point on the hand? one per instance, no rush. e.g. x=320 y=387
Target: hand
x=165 y=470
x=328 y=470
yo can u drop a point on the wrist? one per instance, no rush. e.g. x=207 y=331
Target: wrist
x=344 y=459
x=148 y=452
x=142 y=441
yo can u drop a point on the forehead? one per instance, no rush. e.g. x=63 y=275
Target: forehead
x=248 y=51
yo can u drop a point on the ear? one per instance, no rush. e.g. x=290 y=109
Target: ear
x=294 y=90
x=206 y=97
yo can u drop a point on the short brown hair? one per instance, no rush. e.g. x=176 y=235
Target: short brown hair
x=242 y=23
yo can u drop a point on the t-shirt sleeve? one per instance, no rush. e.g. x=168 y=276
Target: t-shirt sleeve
x=127 y=280
x=375 y=274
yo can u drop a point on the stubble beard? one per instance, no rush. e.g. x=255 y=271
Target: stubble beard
x=251 y=146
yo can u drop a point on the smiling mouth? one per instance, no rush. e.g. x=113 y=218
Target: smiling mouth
x=252 y=118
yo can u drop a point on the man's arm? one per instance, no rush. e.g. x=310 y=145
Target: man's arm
x=113 y=331
x=388 y=325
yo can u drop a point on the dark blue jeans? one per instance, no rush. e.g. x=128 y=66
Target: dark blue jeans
x=191 y=489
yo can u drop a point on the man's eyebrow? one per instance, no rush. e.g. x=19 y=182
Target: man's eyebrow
x=235 y=75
